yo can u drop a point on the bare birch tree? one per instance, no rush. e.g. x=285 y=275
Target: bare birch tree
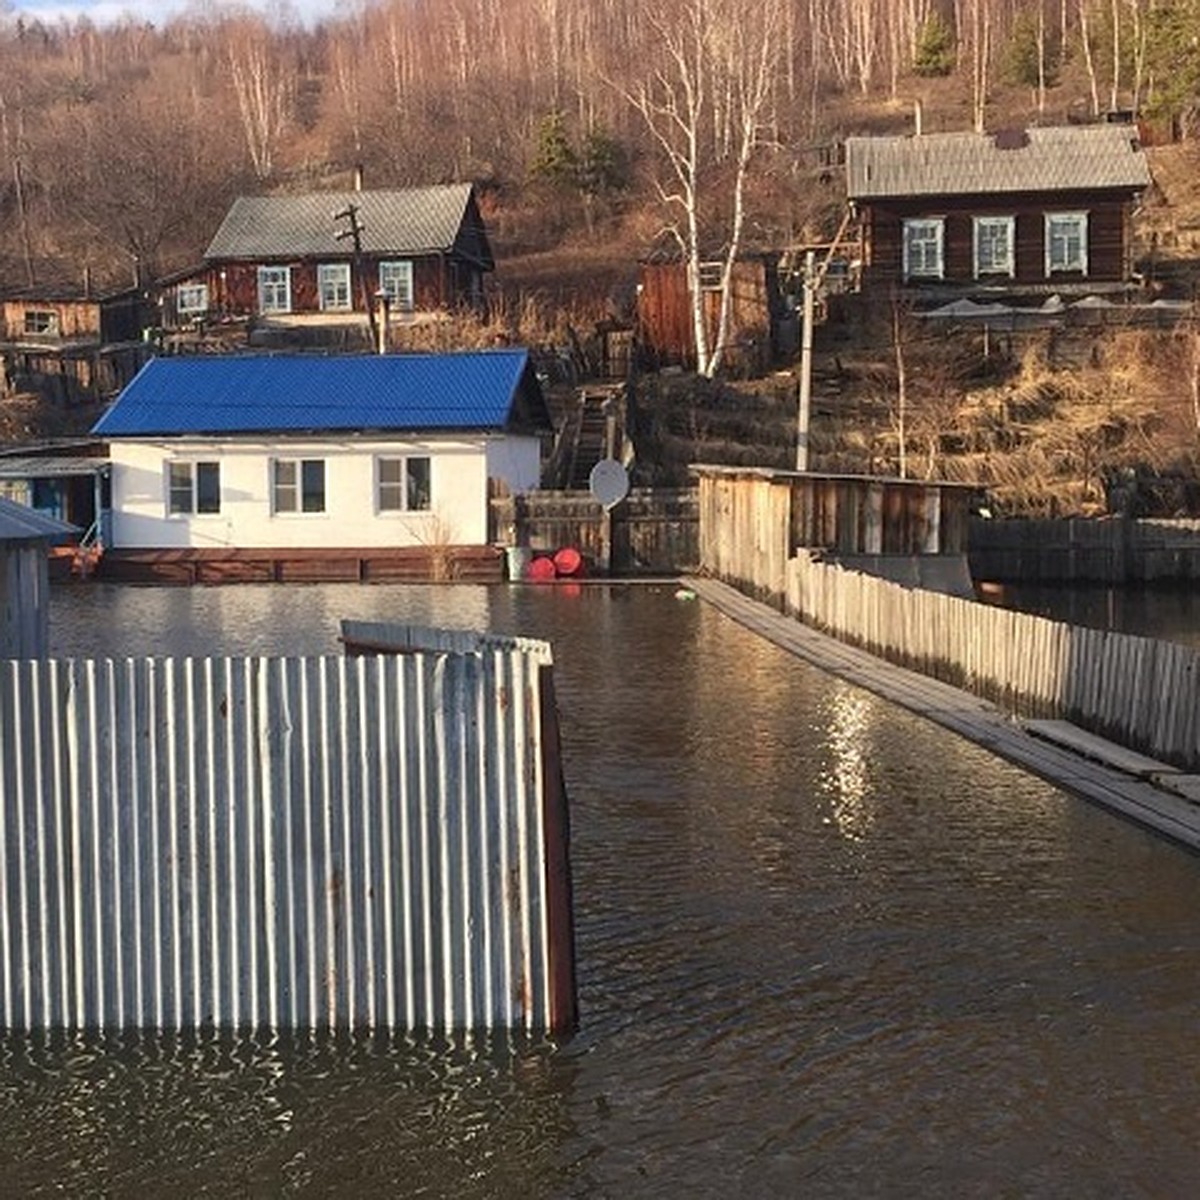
x=714 y=79
x=263 y=83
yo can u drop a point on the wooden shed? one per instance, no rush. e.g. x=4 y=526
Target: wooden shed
x=25 y=537
x=913 y=531
x=666 y=334
x=1034 y=211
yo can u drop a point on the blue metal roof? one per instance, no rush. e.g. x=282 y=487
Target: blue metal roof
x=294 y=393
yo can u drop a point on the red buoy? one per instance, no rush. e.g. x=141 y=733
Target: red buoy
x=542 y=570
x=568 y=561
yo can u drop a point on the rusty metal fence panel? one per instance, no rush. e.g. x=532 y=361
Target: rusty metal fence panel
x=301 y=843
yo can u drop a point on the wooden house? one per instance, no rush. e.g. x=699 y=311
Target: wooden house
x=326 y=256
x=55 y=316
x=1036 y=211
x=665 y=330
x=70 y=342
x=254 y=458
x=25 y=538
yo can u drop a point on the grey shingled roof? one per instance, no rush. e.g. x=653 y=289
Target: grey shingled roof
x=21 y=524
x=1071 y=157
x=411 y=221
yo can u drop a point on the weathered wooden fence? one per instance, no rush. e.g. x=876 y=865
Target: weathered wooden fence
x=1106 y=550
x=285 y=843
x=652 y=531
x=1138 y=691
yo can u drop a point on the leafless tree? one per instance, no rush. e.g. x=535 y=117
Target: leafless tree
x=703 y=105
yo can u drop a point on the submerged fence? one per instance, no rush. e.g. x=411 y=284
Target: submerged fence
x=1139 y=691
x=375 y=842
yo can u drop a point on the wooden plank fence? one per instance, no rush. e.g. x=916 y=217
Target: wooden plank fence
x=1138 y=691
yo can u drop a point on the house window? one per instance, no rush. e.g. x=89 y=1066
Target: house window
x=994 y=246
x=41 y=322
x=396 y=282
x=192 y=298
x=1066 y=243
x=404 y=484
x=298 y=485
x=710 y=276
x=274 y=289
x=193 y=487
x=923 y=248
x=333 y=283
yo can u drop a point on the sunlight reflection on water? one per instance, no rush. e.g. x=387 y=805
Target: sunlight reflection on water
x=824 y=948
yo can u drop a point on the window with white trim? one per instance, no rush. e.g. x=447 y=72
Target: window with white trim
x=41 y=322
x=403 y=484
x=274 y=289
x=193 y=488
x=923 y=240
x=1066 y=243
x=333 y=286
x=191 y=299
x=995 y=240
x=396 y=282
x=298 y=485
x=711 y=274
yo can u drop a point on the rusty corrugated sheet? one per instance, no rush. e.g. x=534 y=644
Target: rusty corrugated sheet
x=285 y=843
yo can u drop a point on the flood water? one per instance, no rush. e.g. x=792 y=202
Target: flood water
x=825 y=949
x=1169 y=612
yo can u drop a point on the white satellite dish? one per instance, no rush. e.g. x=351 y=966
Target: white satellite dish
x=609 y=482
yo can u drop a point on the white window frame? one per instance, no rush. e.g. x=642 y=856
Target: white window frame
x=395 y=495
x=40 y=322
x=274 y=289
x=182 y=486
x=191 y=299
x=333 y=287
x=1007 y=266
x=396 y=281
x=934 y=229
x=1079 y=220
x=289 y=495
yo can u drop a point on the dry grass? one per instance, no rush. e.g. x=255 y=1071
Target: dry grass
x=1044 y=438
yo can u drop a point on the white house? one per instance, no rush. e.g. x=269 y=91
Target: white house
x=268 y=452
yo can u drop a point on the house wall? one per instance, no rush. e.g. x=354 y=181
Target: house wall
x=24 y=599
x=459 y=470
x=233 y=287
x=1107 y=251
x=75 y=319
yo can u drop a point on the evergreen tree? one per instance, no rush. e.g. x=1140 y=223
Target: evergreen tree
x=1173 y=59
x=934 y=54
x=554 y=159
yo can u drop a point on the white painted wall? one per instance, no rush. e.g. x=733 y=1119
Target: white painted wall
x=460 y=468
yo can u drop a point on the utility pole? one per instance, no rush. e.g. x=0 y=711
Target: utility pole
x=806 y=348
x=350 y=213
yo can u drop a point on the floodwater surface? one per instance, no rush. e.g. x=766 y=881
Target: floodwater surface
x=824 y=949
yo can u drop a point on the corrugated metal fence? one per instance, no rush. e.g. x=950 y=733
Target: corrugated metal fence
x=287 y=843
x=1138 y=691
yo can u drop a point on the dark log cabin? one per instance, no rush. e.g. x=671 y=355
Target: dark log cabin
x=1032 y=212
x=285 y=257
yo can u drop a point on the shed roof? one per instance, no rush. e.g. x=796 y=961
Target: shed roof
x=19 y=523
x=412 y=221
x=484 y=390
x=1050 y=159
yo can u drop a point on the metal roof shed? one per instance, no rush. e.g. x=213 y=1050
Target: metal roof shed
x=25 y=536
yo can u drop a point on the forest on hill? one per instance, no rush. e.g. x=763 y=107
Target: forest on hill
x=596 y=132
x=598 y=127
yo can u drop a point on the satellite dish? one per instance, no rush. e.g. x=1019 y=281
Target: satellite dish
x=609 y=482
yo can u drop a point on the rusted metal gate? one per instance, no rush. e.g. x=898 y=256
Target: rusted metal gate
x=300 y=843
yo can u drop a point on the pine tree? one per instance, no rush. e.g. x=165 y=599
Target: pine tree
x=934 y=54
